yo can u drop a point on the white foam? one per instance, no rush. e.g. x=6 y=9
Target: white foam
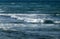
x=56 y=21
x=13 y=16
x=33 y=20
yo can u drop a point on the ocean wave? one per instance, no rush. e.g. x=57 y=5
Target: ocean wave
x=28 y=18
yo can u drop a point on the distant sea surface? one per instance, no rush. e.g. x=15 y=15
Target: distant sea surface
x=42 y=7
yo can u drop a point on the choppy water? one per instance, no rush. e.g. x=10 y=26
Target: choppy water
x=25 y=20
x=28 y=26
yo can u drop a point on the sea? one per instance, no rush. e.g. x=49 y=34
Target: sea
x=25 y=20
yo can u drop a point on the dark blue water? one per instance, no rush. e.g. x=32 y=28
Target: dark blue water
x=44 y=7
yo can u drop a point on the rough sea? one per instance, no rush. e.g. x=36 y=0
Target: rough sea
x=25 y=20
